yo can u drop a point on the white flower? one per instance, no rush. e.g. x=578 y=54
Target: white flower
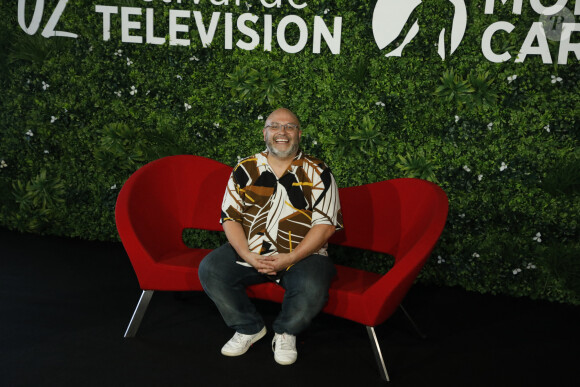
x=29 y=133
x=380 y=103
x=538 y=237
x=194 y=58
x=119 y=53
x=530 y=266
x=133 y=90
x=440 y=260
x=129 y=62
x=462 y=216
x=239 y=158
x=516 y=271
x=326 y=11
x=314 y=142
x=114 y=186
x=456 y=118
x=45 y=85
x=46 y=151
x=260 y=117
x=217 y=125
x=179 y=77
x=52 y=119
x=490 y=125
x=118 y=93
x=475 y=255
x=187 y=106
x=479 y=177
x=148 y=91
x=248 y=6
x=556 y=79
x=512 y=78
x=3 y=164
x=466 y=168
x=503 y=166
x=547 y=128
x=90 y=48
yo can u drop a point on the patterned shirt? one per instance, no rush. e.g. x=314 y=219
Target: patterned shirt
x=277 y=213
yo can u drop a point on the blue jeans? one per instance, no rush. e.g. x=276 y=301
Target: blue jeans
x=306 y=291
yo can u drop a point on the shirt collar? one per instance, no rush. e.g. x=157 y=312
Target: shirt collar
x=265 y=152
x=263 y=159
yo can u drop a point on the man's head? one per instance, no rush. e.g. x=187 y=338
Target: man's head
x=282 y=133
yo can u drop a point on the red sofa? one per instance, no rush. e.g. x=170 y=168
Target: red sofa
x=400 y=217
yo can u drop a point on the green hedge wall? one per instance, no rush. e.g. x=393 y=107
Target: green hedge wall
x=78 y=116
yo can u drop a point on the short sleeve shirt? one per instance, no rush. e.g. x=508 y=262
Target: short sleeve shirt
x=277 y=213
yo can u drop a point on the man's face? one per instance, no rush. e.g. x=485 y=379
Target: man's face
x=283 y=142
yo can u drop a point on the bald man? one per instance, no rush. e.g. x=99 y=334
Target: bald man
x=279 y=209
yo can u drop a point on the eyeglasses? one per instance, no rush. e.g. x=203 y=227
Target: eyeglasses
x=275 y=126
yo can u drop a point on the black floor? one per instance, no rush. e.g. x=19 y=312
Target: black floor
x=64 y=306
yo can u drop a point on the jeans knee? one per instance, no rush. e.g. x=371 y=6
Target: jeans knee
x=316 y=300
x=313 y=298
x=202 y=267
x=205 y=272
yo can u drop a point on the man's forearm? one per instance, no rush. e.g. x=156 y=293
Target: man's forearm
x=237 y=237
x=312 y=242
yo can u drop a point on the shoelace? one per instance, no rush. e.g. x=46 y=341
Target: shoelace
x=286 y=343
x=238 y=337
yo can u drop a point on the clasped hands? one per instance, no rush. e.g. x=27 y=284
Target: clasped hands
x=271 y=264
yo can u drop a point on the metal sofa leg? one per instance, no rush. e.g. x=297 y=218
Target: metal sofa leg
x=415 y=326
x=139 y=313
x=378 y=355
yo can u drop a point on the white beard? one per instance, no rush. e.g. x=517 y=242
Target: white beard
x=281 y=154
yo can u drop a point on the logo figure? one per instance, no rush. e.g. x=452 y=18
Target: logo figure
x=554 y=24
x=391 y=16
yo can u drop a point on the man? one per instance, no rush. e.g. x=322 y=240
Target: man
x=279 y=209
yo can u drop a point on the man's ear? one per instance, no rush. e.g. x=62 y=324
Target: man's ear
x=264 y=132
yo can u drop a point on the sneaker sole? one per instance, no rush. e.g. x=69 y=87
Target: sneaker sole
x=285 y=362
x=260 y=334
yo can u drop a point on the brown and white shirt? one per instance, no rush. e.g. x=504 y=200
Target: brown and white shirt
x=277 y=213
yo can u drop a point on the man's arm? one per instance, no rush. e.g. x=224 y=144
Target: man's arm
x=237 y=238
x=312 y=242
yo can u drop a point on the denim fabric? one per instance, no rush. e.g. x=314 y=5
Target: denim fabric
x=306 y=284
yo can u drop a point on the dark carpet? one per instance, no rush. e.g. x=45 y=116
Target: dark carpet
x=65 y=303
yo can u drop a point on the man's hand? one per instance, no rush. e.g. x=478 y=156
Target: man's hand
x=259 y=262
x=277 y=262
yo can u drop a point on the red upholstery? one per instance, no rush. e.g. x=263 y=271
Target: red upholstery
x=401 y=217
x=156 y=204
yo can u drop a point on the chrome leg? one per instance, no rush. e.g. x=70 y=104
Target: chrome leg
x=421 y=334
x=139 y=313
x=378 y=354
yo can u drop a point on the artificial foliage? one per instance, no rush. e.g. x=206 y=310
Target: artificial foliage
x=79 y=116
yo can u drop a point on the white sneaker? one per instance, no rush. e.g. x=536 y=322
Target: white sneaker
x=284 y=347
x=240 y=343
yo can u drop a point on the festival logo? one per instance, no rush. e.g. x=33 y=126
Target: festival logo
x=554 y=24
x=390 y=18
